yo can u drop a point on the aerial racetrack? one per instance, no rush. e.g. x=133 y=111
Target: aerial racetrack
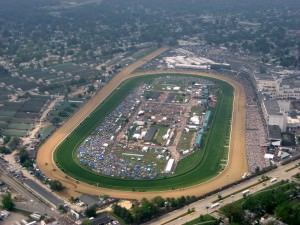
x=196 y=175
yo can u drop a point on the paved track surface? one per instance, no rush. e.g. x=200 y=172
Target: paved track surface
x=234 y=170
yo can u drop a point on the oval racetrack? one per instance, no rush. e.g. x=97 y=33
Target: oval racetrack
x=237 y=163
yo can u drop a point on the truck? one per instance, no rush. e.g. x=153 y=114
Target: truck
x=215 y=205
x=273 y=180
x=245 y=192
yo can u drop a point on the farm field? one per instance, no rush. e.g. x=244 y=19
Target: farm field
x=195 y=168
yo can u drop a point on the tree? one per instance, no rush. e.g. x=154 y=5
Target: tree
x=87 y=222
x=56 y=185
x=24 y=158
x=158 y=201
x=63 y=114
x=6 y=139
x=7 y=202
x=91 y=211
x=4 y=150
x=234 y=212
x=289 y=212
x=122 y=213
x=62 y=209
x=14 y=143
x=55 y=120
x=145 y=211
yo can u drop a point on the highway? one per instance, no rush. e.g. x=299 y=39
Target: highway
x=33 y=204
x=203 y=206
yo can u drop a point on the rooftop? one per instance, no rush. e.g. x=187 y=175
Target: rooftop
x=274 y=132
x=292 y=81
x=89 y=200
x=272 y=106
x=263 y=76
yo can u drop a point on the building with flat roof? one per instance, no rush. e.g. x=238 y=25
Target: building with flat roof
x=273 y=114
x=274 y=133
x=288 y=87
x=150 y=134
x=89 y=200
x=266 y=84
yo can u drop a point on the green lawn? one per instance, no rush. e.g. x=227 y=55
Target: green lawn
x=194 y=169
x=162 y=130
x=197 y=109
x=186 y=140
x=205 y=219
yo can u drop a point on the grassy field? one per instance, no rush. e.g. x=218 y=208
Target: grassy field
x=186 y=140
x=197 y=109
x=194 y=169
x=162 y=130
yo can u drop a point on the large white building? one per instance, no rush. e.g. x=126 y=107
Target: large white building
x=265 y=84
x=288 y=87
x=273 y=114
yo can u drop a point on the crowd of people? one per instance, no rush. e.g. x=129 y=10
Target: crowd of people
x=101 y=153
x=95 y=151
x=255 y=139
x=256 y=133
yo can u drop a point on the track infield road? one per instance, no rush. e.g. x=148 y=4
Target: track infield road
x=237 y=163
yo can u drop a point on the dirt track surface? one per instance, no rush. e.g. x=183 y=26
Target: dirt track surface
x=237 y=163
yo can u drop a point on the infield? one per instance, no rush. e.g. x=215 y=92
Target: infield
x=196 y=168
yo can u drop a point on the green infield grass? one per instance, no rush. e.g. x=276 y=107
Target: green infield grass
x=198 y=167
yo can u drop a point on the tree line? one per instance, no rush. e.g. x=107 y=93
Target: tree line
x=149 y=209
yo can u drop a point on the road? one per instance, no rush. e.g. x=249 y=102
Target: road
x=237 y=163
x=203 y=206
x=33 y=204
